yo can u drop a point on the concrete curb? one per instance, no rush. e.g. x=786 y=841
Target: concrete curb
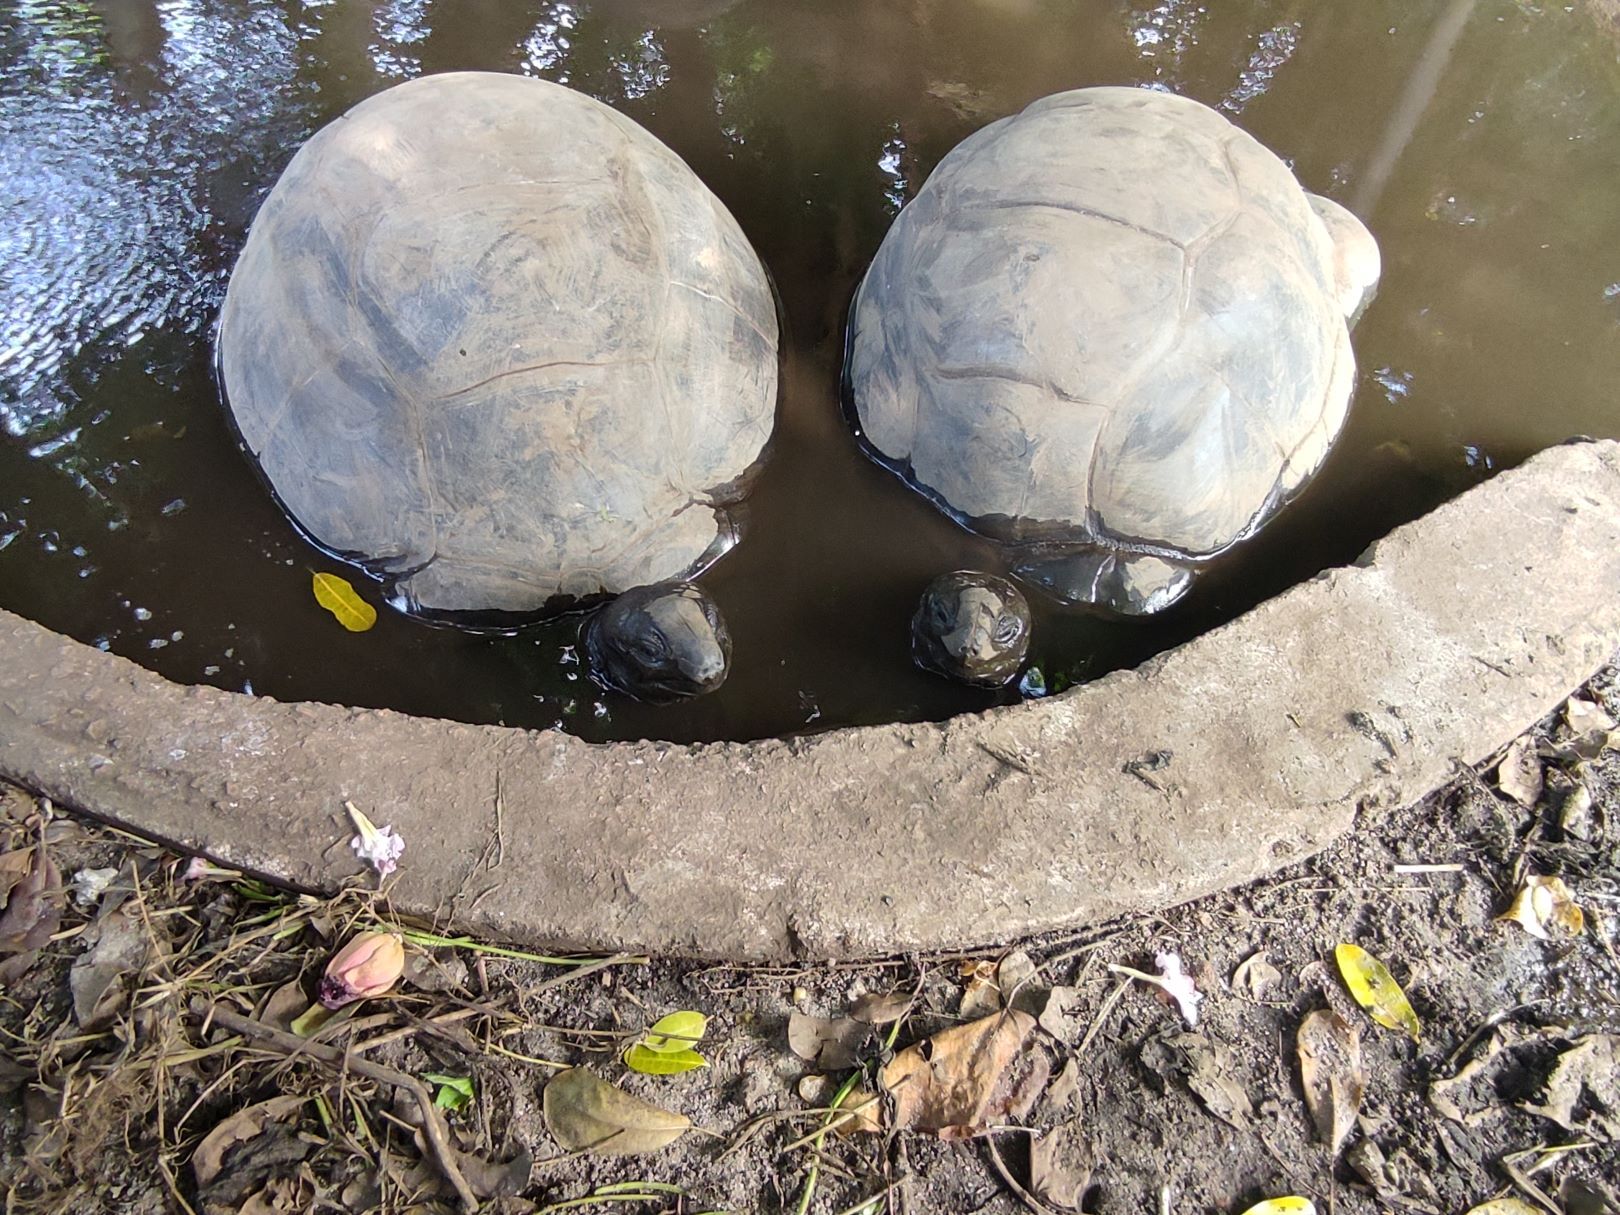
x=1213 y=764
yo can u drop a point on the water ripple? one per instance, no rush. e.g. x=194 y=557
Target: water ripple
x=116 y=216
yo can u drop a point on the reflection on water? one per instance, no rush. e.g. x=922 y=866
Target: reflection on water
x=122 y=127
x=137 y=137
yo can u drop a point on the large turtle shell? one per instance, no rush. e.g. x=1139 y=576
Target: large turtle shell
x=498 y=344
x=1112 y=318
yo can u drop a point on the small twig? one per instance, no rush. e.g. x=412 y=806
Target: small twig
x=522 y=1058
x=865 y=1204
x=589 y=969
x=407 y=1031
x=1485 y=1027
x=1102 y=1015
x=837 y=1116
x=1454 y=867
x=296 y=1047
x=173 y=1186
x=1530 y=1188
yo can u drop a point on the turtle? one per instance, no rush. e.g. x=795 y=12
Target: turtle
x=495 y=344
x=1112 y=333
x=972 y=627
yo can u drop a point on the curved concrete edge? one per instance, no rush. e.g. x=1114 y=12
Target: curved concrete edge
x=1213 y=764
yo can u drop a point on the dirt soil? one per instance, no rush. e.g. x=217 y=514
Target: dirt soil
x=115 y=1067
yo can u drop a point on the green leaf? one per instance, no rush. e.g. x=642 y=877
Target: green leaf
x=662 y=1063
x=337 y=596
x=677 y=1032
x=454 y=1092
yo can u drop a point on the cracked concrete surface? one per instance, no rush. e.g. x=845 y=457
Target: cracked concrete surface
x=1214 y=763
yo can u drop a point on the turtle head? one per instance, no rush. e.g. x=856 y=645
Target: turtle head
x=660 y=643
x=971 y=627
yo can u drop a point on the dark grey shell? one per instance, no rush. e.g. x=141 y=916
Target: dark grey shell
x=1112 y=319
x=498 y=343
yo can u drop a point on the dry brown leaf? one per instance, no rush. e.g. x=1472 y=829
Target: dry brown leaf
x=982 y=995
x=1028 y=1075
x=262 y=1203
x=819 y=1091
x=1015 y=980
x=1064 y=1089
x=1519 y=773
x=1205 y=1066
x=487 y=1178
x=1506 y=1206
x=1546 y=908
x=1592 y=1065
x=102 y=977
x=1585 y=717
x=1582 y=1197
x=1468 y=1097
x=1575 y=815
x=831 y=1045
x=209 y=1158
x=33 y=904
x=948 y=1083
x=1060 y=1017
x=430 y=972
x=866 y=1108
x=280 y=1196
x=1331 y=1072
x=1256 y=975
x=1061 y=1163
x=284 y=1005
x=882 y=1010
x=13 y=867
x=587 y=1114
x=1366 y=1159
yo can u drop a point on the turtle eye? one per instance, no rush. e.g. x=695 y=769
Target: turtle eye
x=652 y=649
x=1008 y=627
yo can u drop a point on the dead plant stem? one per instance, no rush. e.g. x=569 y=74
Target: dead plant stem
x=340 y=1061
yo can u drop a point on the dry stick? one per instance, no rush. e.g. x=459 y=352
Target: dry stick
x=407 y=1031
x=866 y=1203
x=1520 y=1179
x=1102 y=1015
x=294 y=1046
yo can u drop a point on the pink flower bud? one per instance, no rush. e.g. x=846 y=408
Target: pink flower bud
x=367 y=966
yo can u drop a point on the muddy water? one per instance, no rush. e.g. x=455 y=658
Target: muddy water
x=137 y=138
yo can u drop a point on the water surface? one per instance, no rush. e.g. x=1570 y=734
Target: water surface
x=137 y=139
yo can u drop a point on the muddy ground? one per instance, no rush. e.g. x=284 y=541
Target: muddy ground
x=114 y=1071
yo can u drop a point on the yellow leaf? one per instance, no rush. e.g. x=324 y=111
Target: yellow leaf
x=1291 y=1205
x=1546 y=908
x=1375 y=989
x=338 y=597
